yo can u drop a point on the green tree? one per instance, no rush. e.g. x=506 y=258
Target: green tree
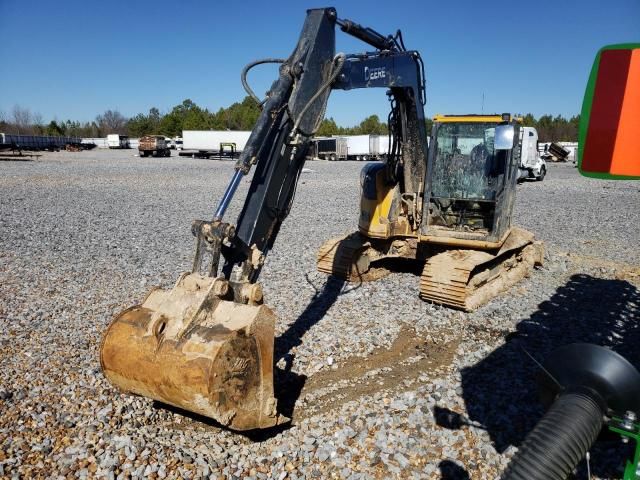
x=371 y=125
x=529 y=120
x=154 y=119
x=239 y=116
x=186 y=116
x=328 y=127
x=139 y=125
x=53 y=129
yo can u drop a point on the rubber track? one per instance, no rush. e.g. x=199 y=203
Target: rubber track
x=337 y=256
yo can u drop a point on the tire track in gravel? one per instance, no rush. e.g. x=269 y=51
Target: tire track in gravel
x=395 y=368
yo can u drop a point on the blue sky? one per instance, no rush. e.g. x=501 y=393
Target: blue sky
x=75 y=59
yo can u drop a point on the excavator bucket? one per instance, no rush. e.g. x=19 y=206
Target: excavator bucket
x=190 y=348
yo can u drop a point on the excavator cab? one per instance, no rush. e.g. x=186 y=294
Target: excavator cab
x=471 y=183
x=458 y=226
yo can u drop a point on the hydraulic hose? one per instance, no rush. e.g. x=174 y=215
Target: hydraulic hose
x=553 y=449
x=245 y=70
x=338 y=62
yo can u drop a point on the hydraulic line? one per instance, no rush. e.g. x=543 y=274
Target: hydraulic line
x=249 y=66
x=228 y=195
x=338 y=62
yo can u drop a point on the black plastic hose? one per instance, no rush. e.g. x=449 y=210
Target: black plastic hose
x=553 y=449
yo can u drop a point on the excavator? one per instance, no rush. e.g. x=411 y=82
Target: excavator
x=458 y=227
x=206 y=345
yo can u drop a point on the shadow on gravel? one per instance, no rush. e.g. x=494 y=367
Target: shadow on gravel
x=452 y=471
x=313 y=313
x=500 y=391
x=15 y=159
x=323 y=300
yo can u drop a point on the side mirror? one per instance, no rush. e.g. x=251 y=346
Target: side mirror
x=504 y=136
x=609 y=140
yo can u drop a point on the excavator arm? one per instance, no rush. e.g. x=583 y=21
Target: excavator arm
x=206 y=345
x=291 y=114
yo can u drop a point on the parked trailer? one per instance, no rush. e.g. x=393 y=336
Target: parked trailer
x=99 y=142
x=350 y=147
x=367 y=147
x=115 y=140
x=383 y=145
x=209 y=143
x=329 y=148
x=358 y=147
x=35 y=142
x=378 y=146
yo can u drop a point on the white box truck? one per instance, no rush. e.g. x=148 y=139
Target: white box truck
x=115 y=140
x=209 y=143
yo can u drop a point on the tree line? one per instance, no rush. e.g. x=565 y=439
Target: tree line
x=238 y=116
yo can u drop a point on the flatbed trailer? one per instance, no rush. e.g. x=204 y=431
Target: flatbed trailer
x=35 y=143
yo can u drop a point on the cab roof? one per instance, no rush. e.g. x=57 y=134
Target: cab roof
x=473 y=117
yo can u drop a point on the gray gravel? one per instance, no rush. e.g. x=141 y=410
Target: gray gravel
x=83 y=235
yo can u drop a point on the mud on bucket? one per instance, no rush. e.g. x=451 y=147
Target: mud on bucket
x=189 y=348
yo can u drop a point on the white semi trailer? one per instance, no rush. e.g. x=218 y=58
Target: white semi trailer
x=209 y=143
x=358 y=147
x=366 y=147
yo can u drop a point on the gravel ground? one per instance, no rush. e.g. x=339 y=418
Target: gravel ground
x=379 y=383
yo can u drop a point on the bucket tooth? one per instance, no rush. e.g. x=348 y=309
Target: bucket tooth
x=189 y=348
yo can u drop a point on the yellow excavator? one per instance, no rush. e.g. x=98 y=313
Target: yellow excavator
x=206 y=345
x=459 y=224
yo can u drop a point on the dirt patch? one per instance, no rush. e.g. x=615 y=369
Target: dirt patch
x=620 y=271
x=395 y=368
x=373 y=274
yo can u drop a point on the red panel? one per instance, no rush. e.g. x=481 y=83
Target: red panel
x=608 y=96
x=626 y=155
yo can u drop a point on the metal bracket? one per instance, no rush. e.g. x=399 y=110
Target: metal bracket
x=209 y=238
x=409 y=200
x=628 y=429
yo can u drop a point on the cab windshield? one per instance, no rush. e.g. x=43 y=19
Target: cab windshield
x=466 y=165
